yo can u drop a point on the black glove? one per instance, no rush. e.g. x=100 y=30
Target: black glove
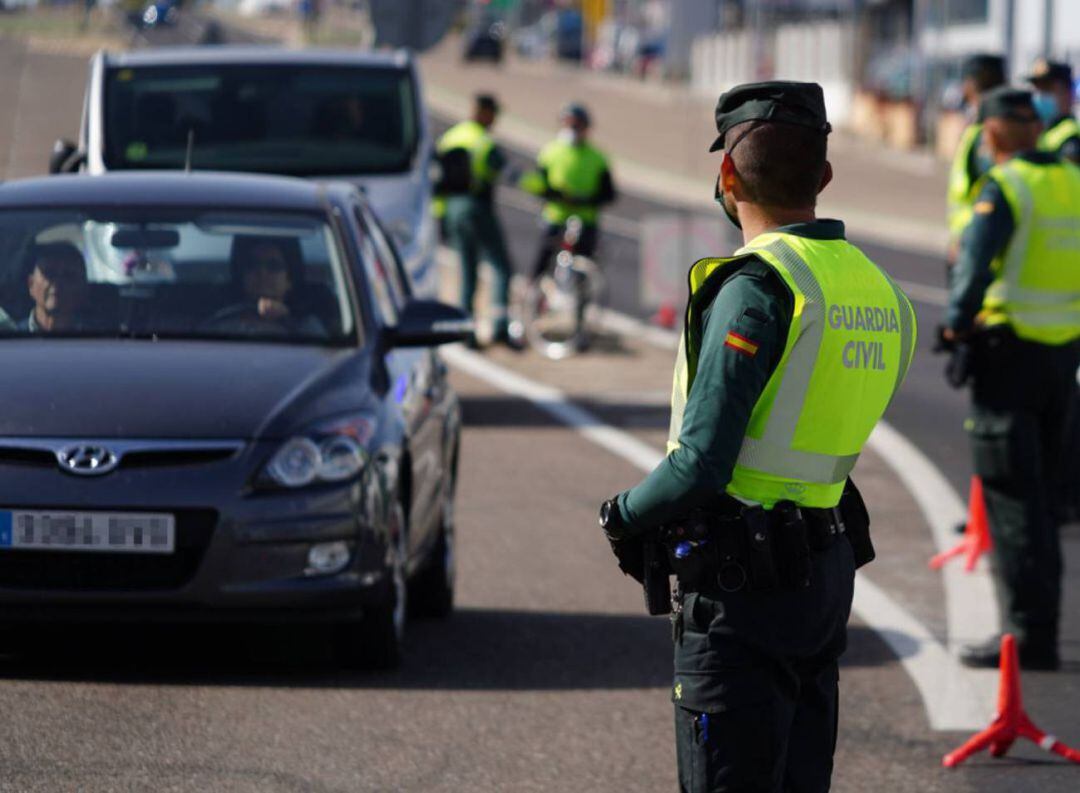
x=628 y=550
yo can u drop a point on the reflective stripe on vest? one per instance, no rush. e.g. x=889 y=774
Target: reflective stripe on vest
x=1036 y=289
x=474 y=138
x=575 y=171
x=850 y=343
x=962 y=188
x=1054 y=138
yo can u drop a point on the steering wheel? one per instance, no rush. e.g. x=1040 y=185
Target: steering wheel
x=245 y=317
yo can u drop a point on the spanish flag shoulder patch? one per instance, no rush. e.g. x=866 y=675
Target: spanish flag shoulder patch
x=741 y=344
x=983 y=207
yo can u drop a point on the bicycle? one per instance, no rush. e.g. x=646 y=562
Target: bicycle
x=557 y=302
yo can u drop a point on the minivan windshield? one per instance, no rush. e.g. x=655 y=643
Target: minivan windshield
x=192 y=274
x=299 y=120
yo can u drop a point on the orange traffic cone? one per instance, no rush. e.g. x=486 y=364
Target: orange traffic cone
x=665 y=316
x=976 y=539
x=1011 y=722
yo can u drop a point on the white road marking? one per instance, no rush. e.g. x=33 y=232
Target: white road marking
x=970 y=605
x=955 y=698
x=553 y=402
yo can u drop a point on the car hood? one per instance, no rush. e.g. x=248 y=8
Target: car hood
x=169 y=389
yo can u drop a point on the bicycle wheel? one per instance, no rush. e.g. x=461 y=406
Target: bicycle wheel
x=553 y=310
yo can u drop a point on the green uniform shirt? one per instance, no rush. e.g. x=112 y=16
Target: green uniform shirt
x=755 y=303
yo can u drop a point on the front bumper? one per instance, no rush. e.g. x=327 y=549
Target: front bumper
x=240 y=555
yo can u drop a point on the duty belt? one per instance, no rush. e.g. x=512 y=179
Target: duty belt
x=750 y=548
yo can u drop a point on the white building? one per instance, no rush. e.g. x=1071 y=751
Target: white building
x=1020 y=29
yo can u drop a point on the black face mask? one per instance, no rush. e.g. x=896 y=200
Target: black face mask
x=718 y=194
x=720 y=198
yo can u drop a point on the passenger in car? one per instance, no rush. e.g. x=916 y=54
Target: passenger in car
x=56 y=280
x=268 y=278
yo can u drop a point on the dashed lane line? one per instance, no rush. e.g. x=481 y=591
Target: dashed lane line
x=955 y=698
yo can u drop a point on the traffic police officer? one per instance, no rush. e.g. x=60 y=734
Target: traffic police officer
x=471 y=223
x=980 y=73
x=792 y=350
x=1014 y=297
x=574 y=178
x=1053 y=83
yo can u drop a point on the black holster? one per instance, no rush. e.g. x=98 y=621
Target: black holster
x=856 y=524
x=657 y=578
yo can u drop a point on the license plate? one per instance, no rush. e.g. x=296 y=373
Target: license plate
x=114 y=532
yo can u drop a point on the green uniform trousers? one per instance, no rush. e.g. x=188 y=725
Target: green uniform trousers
x=756 y=695
x=1022 y=394
x=475 y=233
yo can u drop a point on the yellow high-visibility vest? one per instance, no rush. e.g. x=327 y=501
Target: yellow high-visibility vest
x=574 y=170
x=963 y=185
x=849 y=346
x=1036 y=287
x=1054 y=138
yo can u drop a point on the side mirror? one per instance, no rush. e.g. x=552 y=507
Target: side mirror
x=426 y=323
x=65 y=157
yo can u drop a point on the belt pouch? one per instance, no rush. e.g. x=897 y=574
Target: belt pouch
x=790 y=546
x=760 y=554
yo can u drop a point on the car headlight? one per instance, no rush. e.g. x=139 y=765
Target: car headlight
x=332 y=452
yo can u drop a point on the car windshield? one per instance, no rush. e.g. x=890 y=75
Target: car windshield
x=194 y=274
x=295 y=120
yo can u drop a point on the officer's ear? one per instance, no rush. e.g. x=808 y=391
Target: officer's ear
x=729 y=177
x=826 y=176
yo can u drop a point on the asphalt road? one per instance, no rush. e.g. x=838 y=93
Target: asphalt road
x=548 y=677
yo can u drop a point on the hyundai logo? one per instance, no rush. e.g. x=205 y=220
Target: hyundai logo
x=87 y=460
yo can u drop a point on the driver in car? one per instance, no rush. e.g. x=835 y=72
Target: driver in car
x=267 y=273
x=57 y=283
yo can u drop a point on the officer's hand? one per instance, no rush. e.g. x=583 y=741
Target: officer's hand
x=628 y=550
x=631 y=556
x=945 y=339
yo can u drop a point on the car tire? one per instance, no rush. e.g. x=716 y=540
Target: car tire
x=431 y=592
x=376 y=641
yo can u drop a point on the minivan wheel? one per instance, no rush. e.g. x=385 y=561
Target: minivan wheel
x=376 y=641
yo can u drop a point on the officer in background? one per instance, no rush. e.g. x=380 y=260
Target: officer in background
x=466 y=203
x=792 y=350
x=1014 y=298
x=1053 y=84
x=573 y=177
x=980 y=73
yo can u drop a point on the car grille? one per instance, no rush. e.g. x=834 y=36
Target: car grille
x=140 y=458
x=97 y=571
